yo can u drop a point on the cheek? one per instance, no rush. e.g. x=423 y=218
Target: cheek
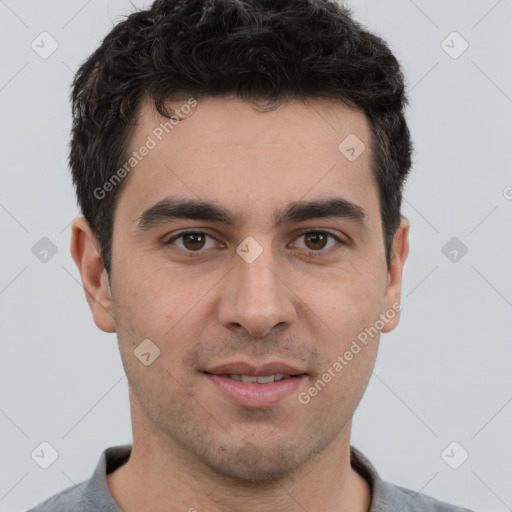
x=351 y=352
x=162 y=307
x=148 y=297
x=350 y=303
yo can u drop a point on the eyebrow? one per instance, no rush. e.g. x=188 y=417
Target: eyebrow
x=171 y=208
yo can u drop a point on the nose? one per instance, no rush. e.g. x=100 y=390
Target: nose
x=255 y=297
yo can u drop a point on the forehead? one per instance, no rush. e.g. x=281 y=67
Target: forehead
x=228 y=152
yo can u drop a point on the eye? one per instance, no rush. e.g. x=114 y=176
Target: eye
x=319 y=241
x=192 y=241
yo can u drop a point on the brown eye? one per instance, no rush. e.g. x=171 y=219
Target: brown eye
x=316 y=240
x=319 y=241
x=192 y=241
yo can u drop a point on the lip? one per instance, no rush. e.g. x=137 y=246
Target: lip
x=251 y=394
x=256 y=395
x=244 y=368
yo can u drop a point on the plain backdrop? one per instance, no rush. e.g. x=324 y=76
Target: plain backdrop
x=442 y=377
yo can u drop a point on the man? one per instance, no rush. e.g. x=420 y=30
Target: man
x=240 y=165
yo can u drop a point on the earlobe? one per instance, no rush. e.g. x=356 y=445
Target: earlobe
x=399 y=253
x=85 y=252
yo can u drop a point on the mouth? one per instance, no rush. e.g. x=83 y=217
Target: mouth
x=259 y=386
x=259 y=379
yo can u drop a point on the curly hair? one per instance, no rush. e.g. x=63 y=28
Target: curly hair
x=258 y=50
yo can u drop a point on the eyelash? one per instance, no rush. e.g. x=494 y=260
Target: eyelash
x=195 y=254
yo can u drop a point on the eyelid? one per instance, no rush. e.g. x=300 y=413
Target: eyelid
x=319 y=230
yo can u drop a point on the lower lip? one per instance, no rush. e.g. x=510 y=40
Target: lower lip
x=256 y=395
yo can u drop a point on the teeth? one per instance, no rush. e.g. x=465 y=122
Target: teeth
x=246 y=378
x=263 y=379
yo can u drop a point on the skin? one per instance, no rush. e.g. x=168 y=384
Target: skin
x=298 y=303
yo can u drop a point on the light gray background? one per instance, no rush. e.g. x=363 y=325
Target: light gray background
x=443 y=375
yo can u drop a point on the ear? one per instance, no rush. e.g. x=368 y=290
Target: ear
x=85 y=252
x=399 y=252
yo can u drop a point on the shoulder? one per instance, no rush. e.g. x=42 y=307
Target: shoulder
x=93 y=494
x=395 y=497
x=72 y=498
x=388 y=497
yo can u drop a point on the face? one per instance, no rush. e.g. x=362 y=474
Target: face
x=265 y=257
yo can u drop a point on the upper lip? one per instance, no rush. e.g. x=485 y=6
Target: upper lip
x=244 y=368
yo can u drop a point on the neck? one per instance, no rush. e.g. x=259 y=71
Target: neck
x=162 y=476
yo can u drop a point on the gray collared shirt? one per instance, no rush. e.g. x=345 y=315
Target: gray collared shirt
x=94 y=495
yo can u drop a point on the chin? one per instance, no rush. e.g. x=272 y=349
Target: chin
x=251 y=464
x=259 y=460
